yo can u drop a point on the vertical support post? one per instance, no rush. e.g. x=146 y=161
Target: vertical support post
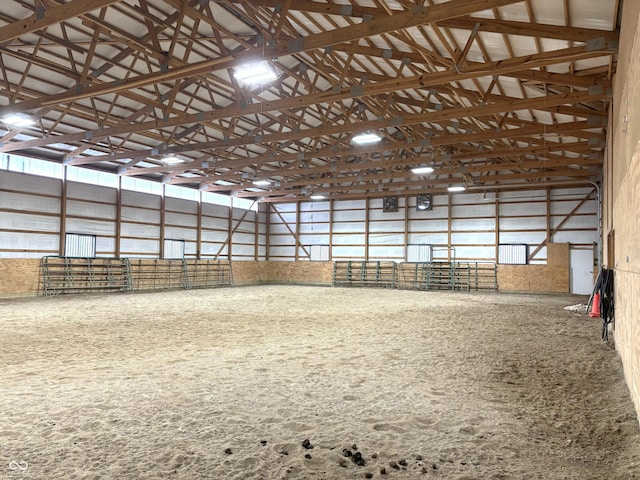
x=230 y=230
x=297 y=231
x=199 y=228
x=118 y=218
x=256 y=236
x=366 y=229
x=406 y=226
x=163 y=205
x=449 y=209
x=268 y=232
x=497 y=213
x=63 y=212
x=331 y=229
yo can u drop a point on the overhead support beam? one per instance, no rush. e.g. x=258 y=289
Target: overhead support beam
x=529 y=29
x=50 y=16
x=418 y=16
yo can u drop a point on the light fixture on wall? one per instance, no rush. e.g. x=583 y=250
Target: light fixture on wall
x=456 y=188
x=255 y=73
x=367 y=138
x=422 y=170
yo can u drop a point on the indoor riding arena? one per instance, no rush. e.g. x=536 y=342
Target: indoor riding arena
x=321 y=239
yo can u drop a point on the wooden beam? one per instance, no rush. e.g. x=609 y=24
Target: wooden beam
x=529 y=29
x=50 y=16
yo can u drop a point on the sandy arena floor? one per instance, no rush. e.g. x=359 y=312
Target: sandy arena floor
x=229 y=383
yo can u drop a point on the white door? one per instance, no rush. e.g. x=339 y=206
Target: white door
x=581 y=271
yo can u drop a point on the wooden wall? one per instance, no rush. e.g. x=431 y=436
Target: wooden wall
x=621 y=227
x=21 y=276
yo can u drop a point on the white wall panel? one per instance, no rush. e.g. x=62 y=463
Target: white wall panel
x=387 y=216
x=181 y=205
x=140 y=231
x=314 y=228
x=386 y=239
x=33 y=203
x=354 y=227
x=131 y=214
x=278 y=251
x=30 y=183
x=242 y=251
x=347 y=252
x=179 y=233
x=576 y=237
x=27 y=221
x=314 y=217
x=245 y=238
x=289 y=218
x=96 y=193
x=515 y=209
x=211 y=250
x=429 y=238
x=434 y=213
x=349 y=216
x=473 y=211
x=474 y=224
x=350 y=204
x=282 y=240
x=91 y=227
x=320 y=239
x=429 y=226
x=520 y=223
x=89 y=209
x=135 y=247
x=181 y=219
x=531 y=238
x=475 y=253
x=41 y=242
x=137 y=199
x=280 y=229
x=386 y=253
x=105 y=246
x=391 y=226
x=575 y=222
x=466 y=238
x=215 y=237
x=348 y=239
x=211 y=210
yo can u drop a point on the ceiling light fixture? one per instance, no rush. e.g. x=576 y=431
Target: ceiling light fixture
x=457 y=188
x=317 y=197
x=422 y=170
x=366 y=139
x=171 y=159
x=255 y=73
x=261 y=183
x=18 y=120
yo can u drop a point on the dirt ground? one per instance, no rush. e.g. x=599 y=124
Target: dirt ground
x=229 y=383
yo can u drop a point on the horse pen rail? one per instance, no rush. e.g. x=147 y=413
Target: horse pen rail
x=463 y=276
x=72 y=275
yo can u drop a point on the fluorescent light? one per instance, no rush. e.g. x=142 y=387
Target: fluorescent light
x=261 y=183
x=255 y=73
x=317 y=197
x=18 y=120
x=366 y=139
x=171 y=159
x=456 y=188
x=422 y=170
